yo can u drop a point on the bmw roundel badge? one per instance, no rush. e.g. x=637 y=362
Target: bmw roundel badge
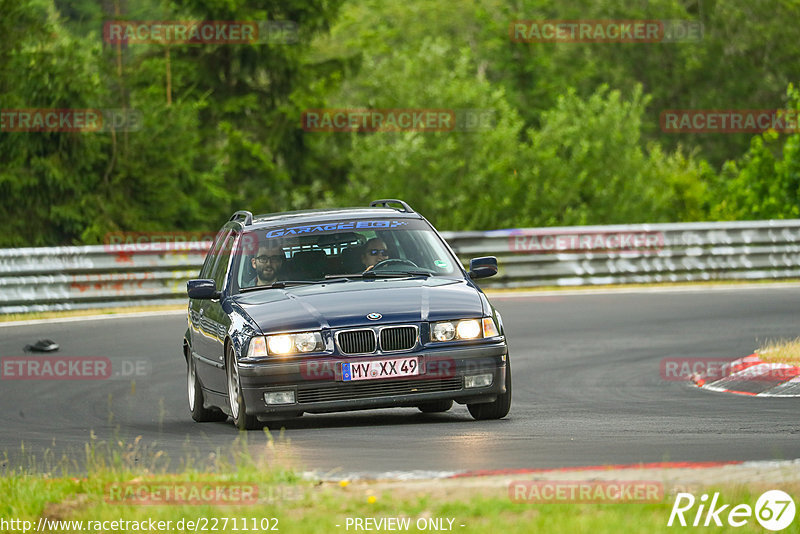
x=374 y=316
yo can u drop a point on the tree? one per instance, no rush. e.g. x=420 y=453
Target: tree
x=457 y=178
x=586 y=165
x=765 y=182
x=220 y=124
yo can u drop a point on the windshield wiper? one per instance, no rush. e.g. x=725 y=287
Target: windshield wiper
x=280 y=284
x=378 y=274
x=398 y=273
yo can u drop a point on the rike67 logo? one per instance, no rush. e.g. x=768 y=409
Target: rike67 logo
x=774 y=511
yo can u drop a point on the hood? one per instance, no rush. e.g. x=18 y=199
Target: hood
x=346 y=304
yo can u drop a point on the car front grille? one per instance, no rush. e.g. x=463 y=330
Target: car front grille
x=357 y=341
x=398 y=338
x=376 y=388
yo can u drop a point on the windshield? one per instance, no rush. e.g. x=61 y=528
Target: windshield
x=344 y=248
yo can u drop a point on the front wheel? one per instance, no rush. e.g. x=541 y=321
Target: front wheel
x=241 y=420
x=497 y=409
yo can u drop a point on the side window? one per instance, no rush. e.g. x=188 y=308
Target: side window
x=223 y=257
x=208 y=264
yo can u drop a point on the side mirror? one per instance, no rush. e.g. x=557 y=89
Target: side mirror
x=201 y=288
x=483 y=267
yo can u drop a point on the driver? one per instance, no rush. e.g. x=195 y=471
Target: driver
x=374 y=251
x=267 y=264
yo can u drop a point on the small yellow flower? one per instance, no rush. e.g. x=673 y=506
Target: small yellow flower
x=371 y=499
x=344 y=483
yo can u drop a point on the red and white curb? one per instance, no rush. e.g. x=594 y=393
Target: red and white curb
x=751 y=376
x=432 y=474
x=595 y=468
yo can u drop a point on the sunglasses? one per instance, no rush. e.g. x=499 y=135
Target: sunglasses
x=273 y=259
x=378 y=251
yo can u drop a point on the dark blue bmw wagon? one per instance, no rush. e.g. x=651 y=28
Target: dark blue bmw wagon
x=342 y=309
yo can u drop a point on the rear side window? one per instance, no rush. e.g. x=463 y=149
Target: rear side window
x=208 y=264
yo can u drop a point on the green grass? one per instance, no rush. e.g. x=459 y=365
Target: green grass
x=307 y=506
x=320 y=507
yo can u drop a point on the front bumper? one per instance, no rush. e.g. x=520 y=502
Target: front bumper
x=317 y=389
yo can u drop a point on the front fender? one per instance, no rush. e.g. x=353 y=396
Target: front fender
x=499 y=320
x=187 y=344
x=241 y=331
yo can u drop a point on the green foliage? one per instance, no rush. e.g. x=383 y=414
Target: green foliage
x=765 y=183
x=586 y=166
x=576 y=138
x=45 y=177
x=223 y=134
x=467 y=170
x=257 y=91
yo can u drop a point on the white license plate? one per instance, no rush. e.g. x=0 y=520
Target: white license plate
x=374 y=369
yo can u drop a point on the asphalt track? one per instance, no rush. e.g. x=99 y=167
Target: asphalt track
x=588 y=390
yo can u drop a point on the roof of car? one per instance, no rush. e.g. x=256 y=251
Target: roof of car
x=300 y=216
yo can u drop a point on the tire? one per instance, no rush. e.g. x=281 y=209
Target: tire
x=196 y=400
x=241 y=420
x=437 y=406
x=497 y=409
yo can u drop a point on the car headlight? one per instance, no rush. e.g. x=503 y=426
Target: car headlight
x=285 y=344
x=464 y=329
x=444 y=331
x=468 y=329
x=307 y=341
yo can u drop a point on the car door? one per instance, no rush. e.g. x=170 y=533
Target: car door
x=215 y=321
x=196 y=307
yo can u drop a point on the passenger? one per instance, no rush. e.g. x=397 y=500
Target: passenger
x=374 y=251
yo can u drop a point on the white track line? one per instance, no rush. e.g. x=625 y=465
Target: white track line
x=623 y=290
x=154 y=313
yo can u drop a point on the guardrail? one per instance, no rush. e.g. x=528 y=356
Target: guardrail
x=642 y=253
x=95 y=276
x=61 y=278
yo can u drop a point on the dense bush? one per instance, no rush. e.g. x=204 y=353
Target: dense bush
x=575 y=137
